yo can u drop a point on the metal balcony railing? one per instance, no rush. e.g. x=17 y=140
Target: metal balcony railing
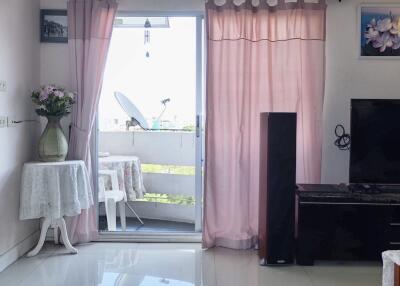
x=168 y=160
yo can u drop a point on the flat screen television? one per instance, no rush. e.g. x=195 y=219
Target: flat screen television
x=375 y=141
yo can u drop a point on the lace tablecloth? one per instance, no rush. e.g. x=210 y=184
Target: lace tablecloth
x=54 y=190
x=129 y=171
x=389 y=257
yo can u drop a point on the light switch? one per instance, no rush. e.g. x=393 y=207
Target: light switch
x=3 y=86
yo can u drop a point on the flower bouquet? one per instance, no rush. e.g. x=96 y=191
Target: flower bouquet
x=53 y=103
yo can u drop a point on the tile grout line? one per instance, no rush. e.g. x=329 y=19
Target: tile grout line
x=215 y=270
x=41 y=261
x=308 y=275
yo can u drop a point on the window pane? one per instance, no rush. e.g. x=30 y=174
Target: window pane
x=168 y=72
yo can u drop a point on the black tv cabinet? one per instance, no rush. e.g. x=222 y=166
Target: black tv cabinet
x=336 y=223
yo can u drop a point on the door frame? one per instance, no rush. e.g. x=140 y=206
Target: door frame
x=199 y=156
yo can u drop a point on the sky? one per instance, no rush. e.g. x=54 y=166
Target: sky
x=169 y=72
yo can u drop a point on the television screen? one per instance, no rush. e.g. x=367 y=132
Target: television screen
x=375 y=141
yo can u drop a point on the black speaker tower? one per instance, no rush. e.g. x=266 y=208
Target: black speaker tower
x=277 y=188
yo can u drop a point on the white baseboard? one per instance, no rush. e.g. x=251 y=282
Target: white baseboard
x=19 y=250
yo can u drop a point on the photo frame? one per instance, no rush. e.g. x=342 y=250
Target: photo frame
x=379 y=31
x=53 y=26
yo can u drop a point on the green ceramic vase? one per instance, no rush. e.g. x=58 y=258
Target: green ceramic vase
x=53 y=146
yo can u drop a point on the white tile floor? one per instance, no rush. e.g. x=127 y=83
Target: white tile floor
x=132 y=264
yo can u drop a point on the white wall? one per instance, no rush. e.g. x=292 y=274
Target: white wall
x=346 y=75
x=19 y=66
x=54 y=65
x=349 y=77
x=54 y=61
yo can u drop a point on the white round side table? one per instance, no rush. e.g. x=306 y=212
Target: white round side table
x=52 y=191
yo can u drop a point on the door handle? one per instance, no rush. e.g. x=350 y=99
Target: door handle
x=197 y=126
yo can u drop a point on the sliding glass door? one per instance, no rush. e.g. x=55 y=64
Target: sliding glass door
x=150 y=126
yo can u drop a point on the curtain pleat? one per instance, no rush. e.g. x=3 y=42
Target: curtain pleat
x=90 y=24
x=258 y=60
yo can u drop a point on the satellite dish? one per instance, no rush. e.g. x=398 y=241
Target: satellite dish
x=132 y=111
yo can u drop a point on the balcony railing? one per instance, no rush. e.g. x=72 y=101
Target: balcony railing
x=168 y=159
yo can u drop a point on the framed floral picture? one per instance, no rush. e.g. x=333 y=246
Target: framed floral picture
x=379 y=31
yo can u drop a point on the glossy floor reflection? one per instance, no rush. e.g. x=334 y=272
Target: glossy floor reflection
x=145 y=264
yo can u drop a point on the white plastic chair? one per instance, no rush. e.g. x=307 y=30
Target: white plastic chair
x=111 y=198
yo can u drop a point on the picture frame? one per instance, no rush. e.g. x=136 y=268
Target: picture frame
x=379 y=31
x=53 y=26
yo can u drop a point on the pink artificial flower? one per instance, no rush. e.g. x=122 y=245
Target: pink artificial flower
x=45 y=92
x=58 y=93
x=49 y=88
x=43 y=95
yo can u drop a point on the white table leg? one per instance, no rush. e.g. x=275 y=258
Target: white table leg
x=111 y=214
x=56 y=240
x=43 y=231
x=122 y=215
x=61 y=224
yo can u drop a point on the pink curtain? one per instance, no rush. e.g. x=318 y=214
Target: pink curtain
x=90 y=24
x=259 y=59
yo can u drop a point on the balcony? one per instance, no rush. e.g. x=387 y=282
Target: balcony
x=168 y=160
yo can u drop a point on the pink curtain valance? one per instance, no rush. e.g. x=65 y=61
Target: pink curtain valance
x=266 y=25
x=267 y=4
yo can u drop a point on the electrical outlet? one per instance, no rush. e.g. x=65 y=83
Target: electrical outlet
x=3 y=121
x=11 y=122
x=3 y=86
